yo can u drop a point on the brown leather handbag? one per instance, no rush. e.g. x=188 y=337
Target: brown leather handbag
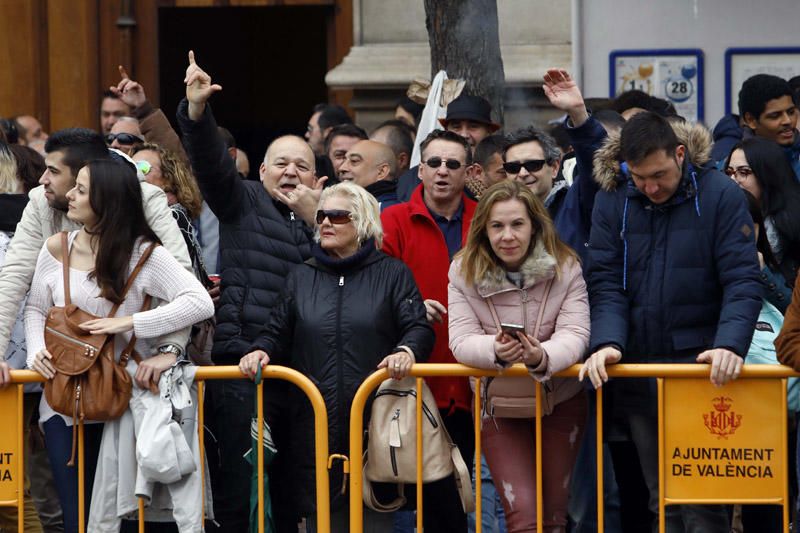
x=89 y=383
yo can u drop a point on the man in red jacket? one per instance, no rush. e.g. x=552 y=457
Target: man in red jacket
x=425 y=233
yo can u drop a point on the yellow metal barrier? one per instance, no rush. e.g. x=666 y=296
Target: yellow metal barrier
x=695 y=371
x=21 y=377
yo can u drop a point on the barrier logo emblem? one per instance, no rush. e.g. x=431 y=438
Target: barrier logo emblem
x=722 y=421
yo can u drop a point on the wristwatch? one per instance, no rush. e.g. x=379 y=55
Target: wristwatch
x=173 y=349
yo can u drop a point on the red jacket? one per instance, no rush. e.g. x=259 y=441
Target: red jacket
x=411 y=235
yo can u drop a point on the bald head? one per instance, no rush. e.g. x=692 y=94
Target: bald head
x=288 y=162
x=367 y=162
x=292 y=143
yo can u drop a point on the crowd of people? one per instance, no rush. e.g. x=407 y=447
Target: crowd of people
x=621 y=234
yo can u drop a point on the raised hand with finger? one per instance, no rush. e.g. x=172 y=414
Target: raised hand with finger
x=198 y=88
x=129 y=91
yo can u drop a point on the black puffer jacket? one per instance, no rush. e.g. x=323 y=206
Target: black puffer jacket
x=260 y=240
x=334 y=322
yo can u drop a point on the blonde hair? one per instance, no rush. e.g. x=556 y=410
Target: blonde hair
x=364 y=209
x=478 y=258
x=178 y=180
x=9 y=184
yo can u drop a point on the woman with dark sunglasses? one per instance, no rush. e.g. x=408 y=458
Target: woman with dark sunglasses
x=759 y=166
x=336 y=320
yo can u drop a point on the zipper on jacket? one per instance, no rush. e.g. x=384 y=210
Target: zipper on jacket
x=88 y=349
x=340 y=365
x=291 y=216
x=525 y=309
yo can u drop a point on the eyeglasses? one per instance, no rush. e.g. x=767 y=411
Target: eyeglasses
x=436 y=162
x=531 y=165
x=123 y=138
x=336 y=216
x=739 y=173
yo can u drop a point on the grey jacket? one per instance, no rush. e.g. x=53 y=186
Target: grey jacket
x=39 y=221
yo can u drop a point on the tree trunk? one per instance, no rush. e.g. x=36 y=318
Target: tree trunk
x=465 y=42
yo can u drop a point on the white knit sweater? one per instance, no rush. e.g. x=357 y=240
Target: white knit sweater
x=161 y=277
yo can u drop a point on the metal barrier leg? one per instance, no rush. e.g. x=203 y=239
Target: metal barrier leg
x=419 y=454
x=81 y=480
x=601 y=526
x=260 y=448
x=201 y=421
x=141 y=515
x=785 y=438
x=661 y=517
x=21 y=462
x=539 y=495
x=478 y=467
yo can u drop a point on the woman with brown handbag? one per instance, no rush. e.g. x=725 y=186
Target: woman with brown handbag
x=109 y=268
x=517 y=295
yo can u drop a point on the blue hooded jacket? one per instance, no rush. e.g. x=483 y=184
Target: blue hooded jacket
x=669 y=281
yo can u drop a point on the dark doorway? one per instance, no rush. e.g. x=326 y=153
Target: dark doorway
x=270 y=61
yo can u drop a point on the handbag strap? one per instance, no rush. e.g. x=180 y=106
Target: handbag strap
x=130 y=349
x=65 y=266
x=541 y=308
x=138 y=268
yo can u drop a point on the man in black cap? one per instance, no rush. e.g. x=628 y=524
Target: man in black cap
x=468 y=116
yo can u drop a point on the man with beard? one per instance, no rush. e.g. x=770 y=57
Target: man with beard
x=45 y=215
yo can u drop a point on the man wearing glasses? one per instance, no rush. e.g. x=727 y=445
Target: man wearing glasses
x=425 y=233
x=125 y=135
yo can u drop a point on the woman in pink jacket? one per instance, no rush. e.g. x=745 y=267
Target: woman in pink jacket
x=517 y=295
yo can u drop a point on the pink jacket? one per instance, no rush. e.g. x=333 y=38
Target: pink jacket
x=564 y=329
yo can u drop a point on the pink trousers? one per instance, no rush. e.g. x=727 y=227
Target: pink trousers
x=509 y=447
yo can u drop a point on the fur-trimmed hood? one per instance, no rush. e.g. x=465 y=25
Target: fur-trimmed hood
x=695 y=137
x=539 y=266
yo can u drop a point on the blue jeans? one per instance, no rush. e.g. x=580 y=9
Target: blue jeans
x=493 y=518
x=58 y=439
x=583 y=490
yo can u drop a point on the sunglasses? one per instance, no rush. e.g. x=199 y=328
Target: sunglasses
x=531 y=165
x=436 y=162
x=123 y=138
x=336 y=216
x=144 y=167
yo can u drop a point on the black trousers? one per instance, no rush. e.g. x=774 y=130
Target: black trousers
x=442 y=510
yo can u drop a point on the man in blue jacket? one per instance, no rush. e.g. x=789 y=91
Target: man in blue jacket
x=673 y=278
